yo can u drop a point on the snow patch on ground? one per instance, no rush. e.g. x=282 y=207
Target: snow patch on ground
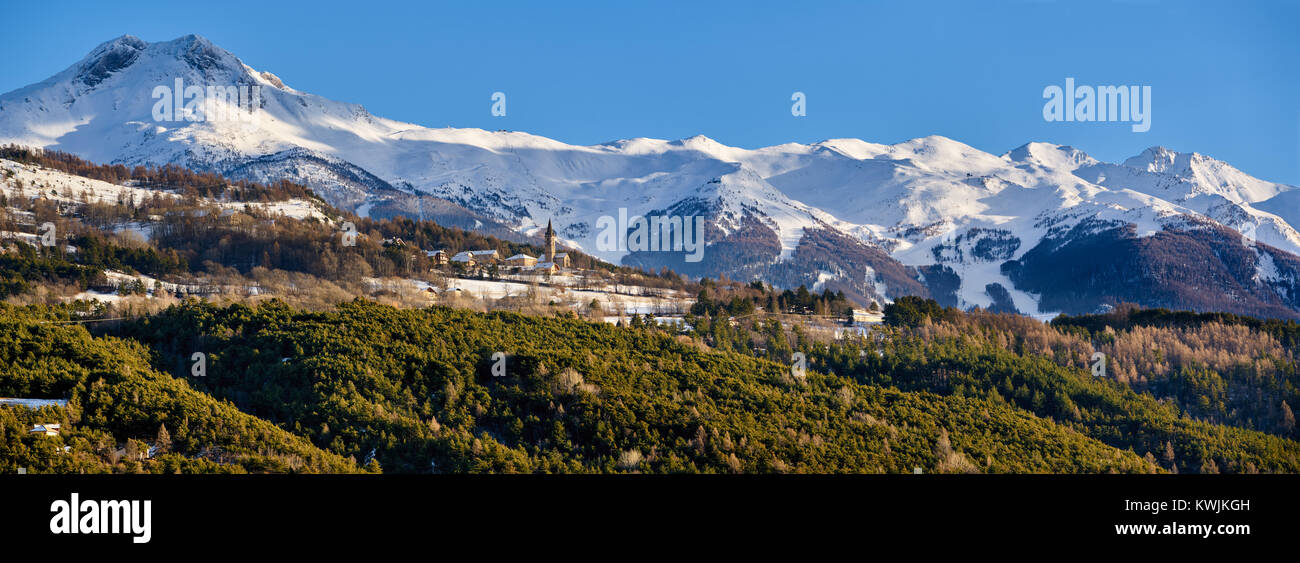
x=610 y=302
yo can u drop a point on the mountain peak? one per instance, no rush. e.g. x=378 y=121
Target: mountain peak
x=935 y=144
x=1049 y=154
x=698 y=141
x=202 y=55
x=193 y=38
x=125 y=39
x=1202 y=174
x=110 y=57
x=705 y=145
x=116 y=55
x=1162 y=159
x=853 y=148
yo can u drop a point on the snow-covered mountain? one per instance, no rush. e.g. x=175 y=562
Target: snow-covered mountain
x=930 y=216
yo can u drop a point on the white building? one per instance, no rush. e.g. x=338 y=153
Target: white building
x=46 y=429
x=485 y=256
x=521 y=260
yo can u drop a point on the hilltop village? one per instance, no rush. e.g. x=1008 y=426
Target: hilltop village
x=491 y=263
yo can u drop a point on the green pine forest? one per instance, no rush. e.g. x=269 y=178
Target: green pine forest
x=366 y=387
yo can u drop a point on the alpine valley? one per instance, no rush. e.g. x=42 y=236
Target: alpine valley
x=1041 y=229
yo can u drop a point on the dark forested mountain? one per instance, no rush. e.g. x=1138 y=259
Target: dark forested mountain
x=1209 y=268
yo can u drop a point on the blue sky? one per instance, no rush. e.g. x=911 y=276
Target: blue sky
x=1225 y=76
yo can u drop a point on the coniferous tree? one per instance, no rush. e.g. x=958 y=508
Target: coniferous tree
x=163 y=441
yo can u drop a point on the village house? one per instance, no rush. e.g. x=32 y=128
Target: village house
x=562 y=259
x=859 y=317
x=485 y=256
x=464 y=257
x=521 y=261
x=437 y=257
x=546 y=268
x=472 y=258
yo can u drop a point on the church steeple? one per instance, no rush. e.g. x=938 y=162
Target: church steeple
x=550 y=242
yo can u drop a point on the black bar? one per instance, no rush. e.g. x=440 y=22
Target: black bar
x=356 y=511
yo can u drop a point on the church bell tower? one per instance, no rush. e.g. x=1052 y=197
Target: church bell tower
x=550 y=242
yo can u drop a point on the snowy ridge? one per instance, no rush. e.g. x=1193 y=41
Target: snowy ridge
x=36 y=181
x=908 y=198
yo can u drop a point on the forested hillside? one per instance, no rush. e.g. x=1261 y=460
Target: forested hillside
x=118 y=408
x=416 y=388
x=371 y=387
x=1209 y=399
